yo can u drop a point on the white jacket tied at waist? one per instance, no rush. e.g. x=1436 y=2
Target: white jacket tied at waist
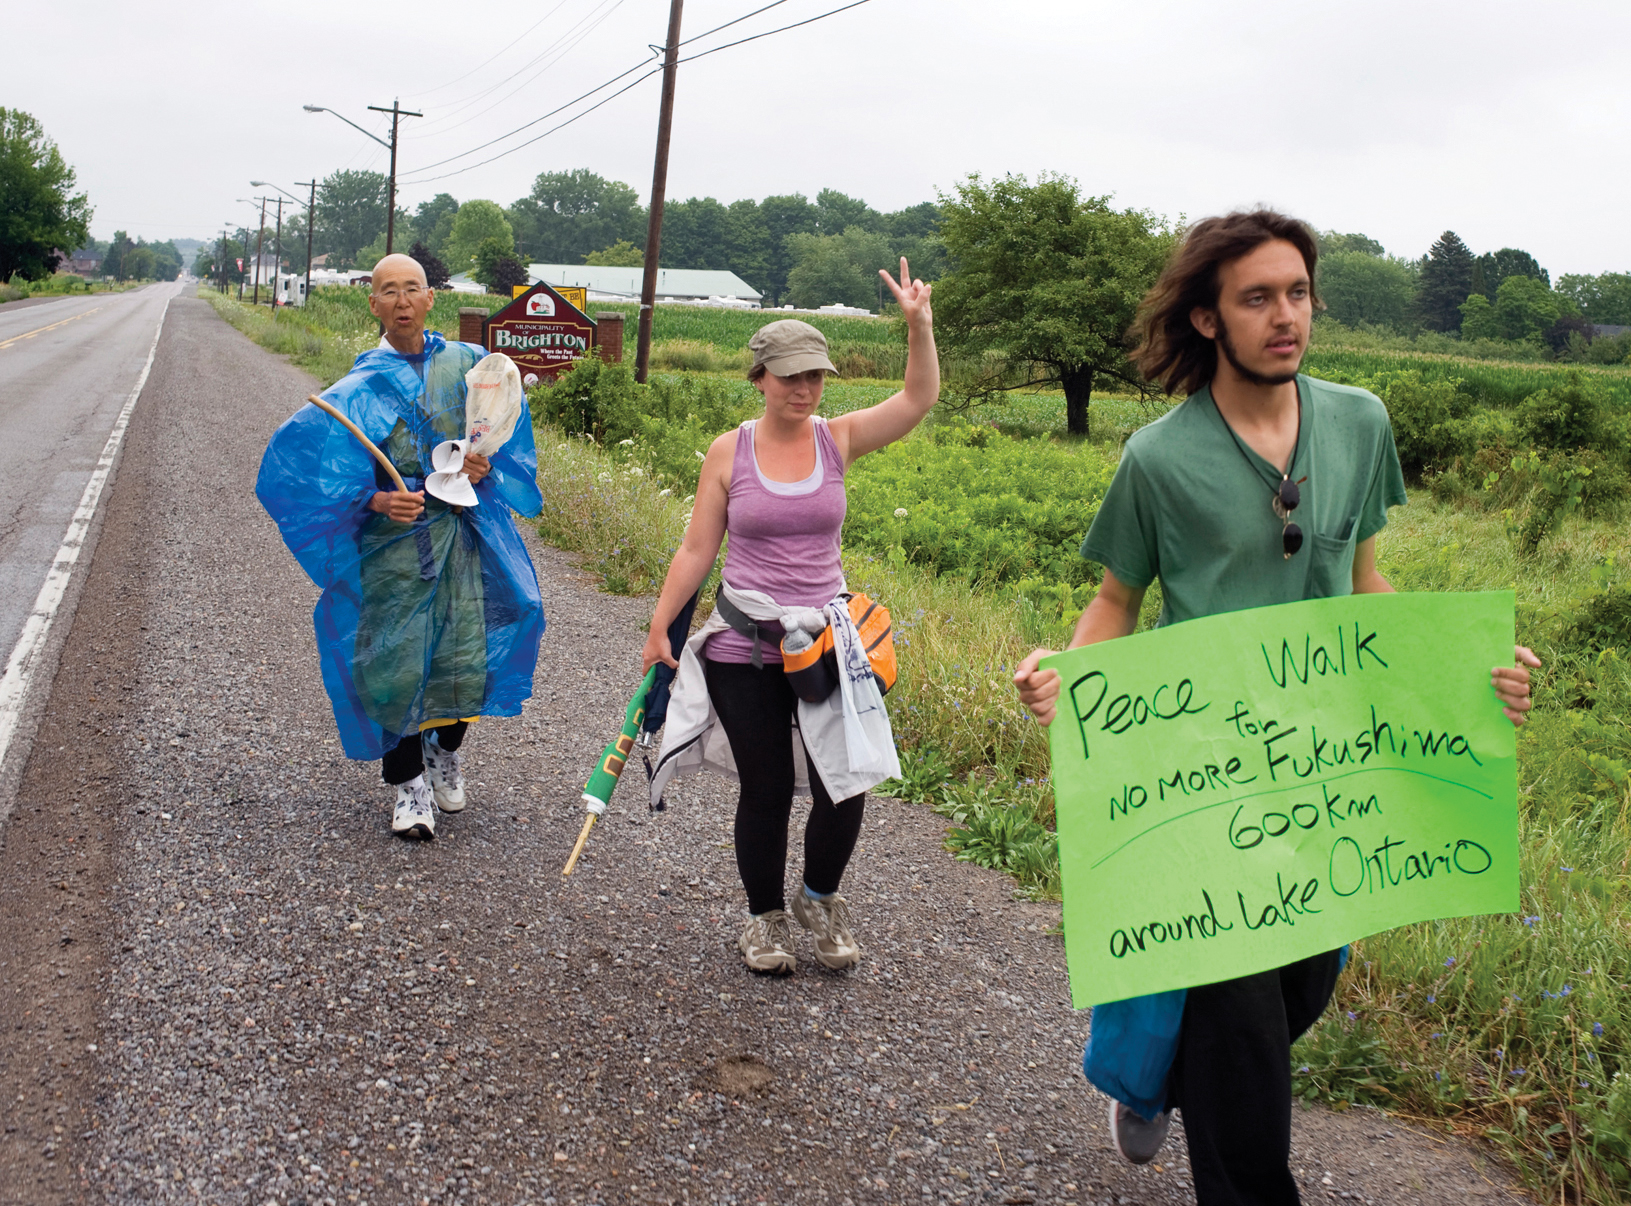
x=846 y=737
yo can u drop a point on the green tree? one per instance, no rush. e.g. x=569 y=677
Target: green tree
x=436 y=274
x=696 y=234
x=351 y=209
x=1493 y=267
x=114 y=259
x=40 y=214
x=839 y=268
x=835 y=213
x=915 y=234
x=433 y=221
x=621 y=254
x=1044 y=285
x=1602 y=299
x=1478 y=318
x=139 y=263
x=569 y=214
x=1357 y=287
x=783 y=216
x=1330 y=243
x=1525 y=308
x=748 y=238
x=474 y=224
x=166 y=261
x=1445 y=282
x=496 y=266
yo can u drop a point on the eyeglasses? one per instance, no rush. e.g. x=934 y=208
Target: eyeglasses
x=412 y=293
x=1285 y=502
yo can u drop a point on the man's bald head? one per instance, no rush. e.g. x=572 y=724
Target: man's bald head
x=400 y=299
x=398 y=270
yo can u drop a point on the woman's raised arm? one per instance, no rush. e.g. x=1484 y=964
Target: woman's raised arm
x=864 y=431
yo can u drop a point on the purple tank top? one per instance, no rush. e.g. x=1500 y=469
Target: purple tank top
x=784 y=538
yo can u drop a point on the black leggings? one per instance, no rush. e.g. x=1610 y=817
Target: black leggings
x=405 y=761
x=756 y=708
x=1232 y=1079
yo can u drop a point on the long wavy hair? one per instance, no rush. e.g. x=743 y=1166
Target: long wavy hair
x=1170 y=351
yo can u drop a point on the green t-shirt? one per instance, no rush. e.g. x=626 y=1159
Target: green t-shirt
x=1186 y=505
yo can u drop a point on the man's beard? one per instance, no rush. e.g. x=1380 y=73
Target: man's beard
x=1250 y=375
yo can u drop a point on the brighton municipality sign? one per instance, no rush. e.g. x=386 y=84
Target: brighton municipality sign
x=542 y=332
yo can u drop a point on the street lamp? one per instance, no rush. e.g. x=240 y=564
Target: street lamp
x=397 y=113
x=311 y=216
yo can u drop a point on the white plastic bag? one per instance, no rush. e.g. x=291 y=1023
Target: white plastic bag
x=493 y=404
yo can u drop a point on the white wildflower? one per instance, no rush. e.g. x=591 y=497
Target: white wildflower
x=628 y=443
x=700 y=457
x=604 y=477
x=689 y=499
x=636 y=471
x=900 y=512
x=664 y=493
x=560 y=446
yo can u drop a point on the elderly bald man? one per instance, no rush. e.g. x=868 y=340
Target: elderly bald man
x=430 y=615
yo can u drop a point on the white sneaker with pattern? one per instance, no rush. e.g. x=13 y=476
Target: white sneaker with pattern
x=443 y=773
x=415 y=814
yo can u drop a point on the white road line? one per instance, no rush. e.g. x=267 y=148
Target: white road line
x=20 y=669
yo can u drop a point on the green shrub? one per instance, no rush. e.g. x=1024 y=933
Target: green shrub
x=1603 y=621
x=1567 y=416
x=968 y=500
x=1429 y=419
x=592 y=398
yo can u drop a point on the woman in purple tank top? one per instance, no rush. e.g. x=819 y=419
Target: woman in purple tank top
x=776 y=486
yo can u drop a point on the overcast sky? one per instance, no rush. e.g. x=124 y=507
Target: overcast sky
x=1504 y=121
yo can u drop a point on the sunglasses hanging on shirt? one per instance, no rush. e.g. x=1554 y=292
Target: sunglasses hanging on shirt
x=1286 y=495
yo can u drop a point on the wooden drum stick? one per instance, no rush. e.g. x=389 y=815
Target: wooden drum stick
x=366 y=442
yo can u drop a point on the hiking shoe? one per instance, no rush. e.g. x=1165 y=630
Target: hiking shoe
x=828 y=921
x=1135 y=1137
x=415 y=814
x=767 y=943
x=443 y=774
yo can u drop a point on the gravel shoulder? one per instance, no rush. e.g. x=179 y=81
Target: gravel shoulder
x=224 y=981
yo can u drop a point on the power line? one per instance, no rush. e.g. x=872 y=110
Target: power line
x=496 y=54
x=737 y=21
x=702 y=54
x=545 y=134
x=619 y=92
x=559 y=48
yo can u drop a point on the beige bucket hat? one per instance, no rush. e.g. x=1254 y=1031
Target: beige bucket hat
x=789 y=346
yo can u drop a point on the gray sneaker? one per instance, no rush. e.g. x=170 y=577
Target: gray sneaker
x=767 y=943
x=828 y=921
x=415 y=814
x=1135 y=1137
x=443 y=774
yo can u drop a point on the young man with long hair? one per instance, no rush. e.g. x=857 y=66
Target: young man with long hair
x=1263 y=486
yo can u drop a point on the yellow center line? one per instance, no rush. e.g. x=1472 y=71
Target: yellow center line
x=40 y=330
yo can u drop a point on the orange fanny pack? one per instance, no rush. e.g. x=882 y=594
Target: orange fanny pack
x=812 y=671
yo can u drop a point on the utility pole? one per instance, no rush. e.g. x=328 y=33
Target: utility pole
x=277 y=255
x=397 y=112
x=311 y=221
x=258 y=235
x=659 y=188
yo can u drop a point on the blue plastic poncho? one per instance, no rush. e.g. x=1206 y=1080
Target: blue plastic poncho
x=435 y=620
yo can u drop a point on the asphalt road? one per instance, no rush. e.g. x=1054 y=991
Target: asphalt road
x=222 y=980
x=67 y=369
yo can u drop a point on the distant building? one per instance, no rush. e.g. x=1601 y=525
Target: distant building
x=1603 y=330
x=83 y=262
x=698 y=286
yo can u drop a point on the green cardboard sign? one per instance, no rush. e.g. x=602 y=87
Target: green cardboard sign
x=1244 y=790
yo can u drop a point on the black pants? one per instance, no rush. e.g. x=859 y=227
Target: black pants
x=1232 y=1079
x=405 y=761
x=756 y=708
